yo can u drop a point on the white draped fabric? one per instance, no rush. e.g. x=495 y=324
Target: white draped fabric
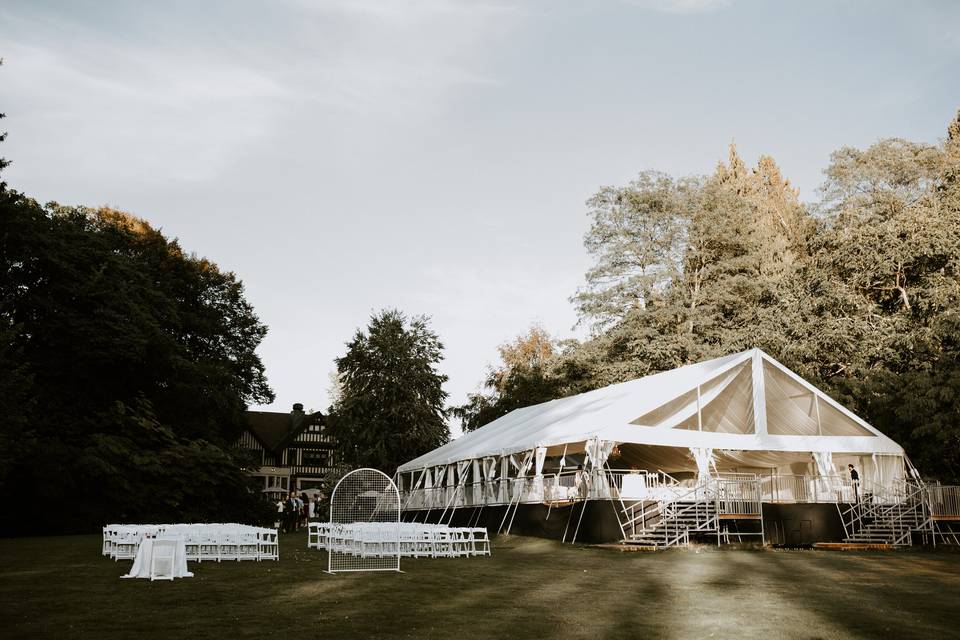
x=703 y=456
x=826 y=470
x=141 y=563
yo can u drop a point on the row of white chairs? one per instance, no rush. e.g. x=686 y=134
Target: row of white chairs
x=217 y=542
x=412 y=539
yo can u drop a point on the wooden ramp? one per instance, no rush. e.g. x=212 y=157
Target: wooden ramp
x=853 y=546
x=627 y=548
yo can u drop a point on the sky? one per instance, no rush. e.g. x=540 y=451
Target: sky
x=434 y=156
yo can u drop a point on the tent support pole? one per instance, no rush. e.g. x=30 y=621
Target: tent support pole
x=613 y=504
x=579 y=520
x=475 y=516
x=569 y=518
x=507 y=512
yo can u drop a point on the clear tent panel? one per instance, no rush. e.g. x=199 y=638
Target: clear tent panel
x=834 y=422
x=726 y=403
x=671 y=411
x=791 y=407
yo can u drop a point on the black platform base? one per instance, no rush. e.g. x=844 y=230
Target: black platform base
x=784 y=524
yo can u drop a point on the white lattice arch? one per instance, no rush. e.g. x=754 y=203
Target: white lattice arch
x=365 y=514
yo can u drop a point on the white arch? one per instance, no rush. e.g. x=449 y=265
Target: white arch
x=364 y=523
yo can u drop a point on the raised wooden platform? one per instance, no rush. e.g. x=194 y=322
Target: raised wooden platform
x=853 y=546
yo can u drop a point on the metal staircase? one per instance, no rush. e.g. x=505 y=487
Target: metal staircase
x=685 y=511
x=890 y=521
x=669 y=524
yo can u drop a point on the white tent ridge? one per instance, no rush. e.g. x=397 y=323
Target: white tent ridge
x=742 y=402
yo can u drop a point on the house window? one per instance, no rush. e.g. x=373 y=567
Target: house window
x=316 y=457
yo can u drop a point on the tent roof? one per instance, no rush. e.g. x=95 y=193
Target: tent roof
x=759 y=405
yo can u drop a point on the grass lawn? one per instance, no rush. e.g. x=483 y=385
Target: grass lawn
x=530 y=588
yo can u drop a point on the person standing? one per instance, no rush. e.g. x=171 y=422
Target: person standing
x=289 y=512
x=582 y=482
x=312 y=507
x=855 y=481
x=280 y=513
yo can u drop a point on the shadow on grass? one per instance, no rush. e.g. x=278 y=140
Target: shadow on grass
x=61 y=587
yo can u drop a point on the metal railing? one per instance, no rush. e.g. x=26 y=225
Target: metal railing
x=943 y=501
x=889 y=514
x=624 y=484
x=740 y=496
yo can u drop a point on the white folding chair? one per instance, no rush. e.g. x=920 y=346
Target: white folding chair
x=228 y=545
x=269 y=544
x=163 y=559
x=249 y=545
x=480 y=541
x=191 y=543
x=462 y=541
x=442 y=543
x=125 y=547
x=209 y=546
x=321 y=531
x=107 y=541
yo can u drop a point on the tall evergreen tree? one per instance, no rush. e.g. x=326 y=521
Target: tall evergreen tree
x=391 y=403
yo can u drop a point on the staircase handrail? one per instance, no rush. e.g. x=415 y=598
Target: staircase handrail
x=660 y=504
x=910 y=494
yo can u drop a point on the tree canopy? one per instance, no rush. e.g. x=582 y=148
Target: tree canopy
x=127 y=367
x=390 y=404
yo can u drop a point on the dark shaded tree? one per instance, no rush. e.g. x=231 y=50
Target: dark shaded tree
x=391 y=399
x=133 y=366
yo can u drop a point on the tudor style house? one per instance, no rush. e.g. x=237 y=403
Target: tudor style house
x=294 y=449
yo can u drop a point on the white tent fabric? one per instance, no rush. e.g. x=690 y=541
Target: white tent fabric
x=742 y=402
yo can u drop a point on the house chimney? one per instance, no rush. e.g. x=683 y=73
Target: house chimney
x=297 y=407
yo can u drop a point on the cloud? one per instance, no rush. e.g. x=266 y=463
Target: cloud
x=170 y=113
x=681 y=6
x=167 y=98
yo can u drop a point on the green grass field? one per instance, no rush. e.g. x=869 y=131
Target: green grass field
x=530 y=588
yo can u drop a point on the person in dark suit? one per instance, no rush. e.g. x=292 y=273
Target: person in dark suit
x=855 y=481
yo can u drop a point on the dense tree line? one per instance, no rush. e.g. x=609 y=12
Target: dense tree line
x=859 y=292
x=125 y=370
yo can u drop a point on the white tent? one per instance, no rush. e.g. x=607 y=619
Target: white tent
x=740 y=411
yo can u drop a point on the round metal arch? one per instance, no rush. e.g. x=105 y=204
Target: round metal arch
x=364 y=523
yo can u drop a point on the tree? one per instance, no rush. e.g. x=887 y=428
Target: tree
x=135 y=365
x=895 y=238
x=4 y=163
x=523 y=378
x=391 y=403
x=740 y=239
x=636 y=239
